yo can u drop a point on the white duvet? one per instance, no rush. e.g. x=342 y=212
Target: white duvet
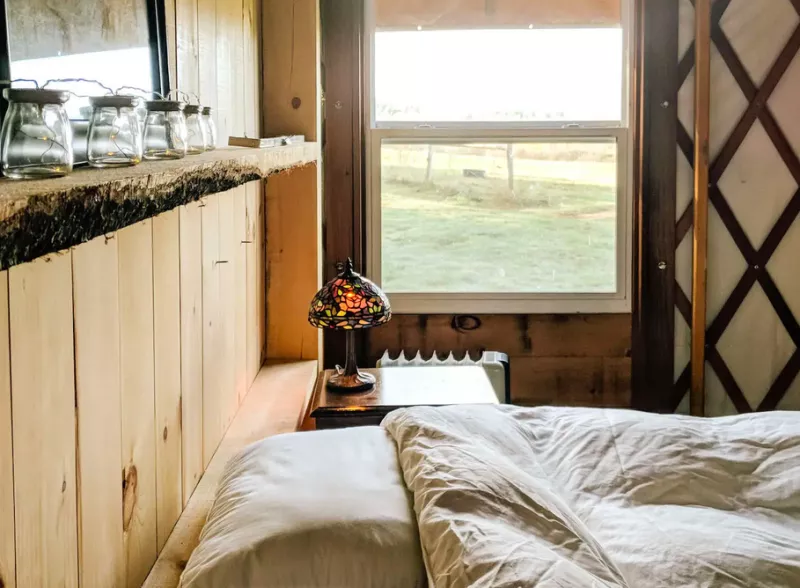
x=553 y=497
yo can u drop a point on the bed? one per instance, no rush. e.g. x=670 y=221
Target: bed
x=505 y=496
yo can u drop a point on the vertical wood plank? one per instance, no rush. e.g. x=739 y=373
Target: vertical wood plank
x=188 y=45
x=251 y=100
x=240 y=285
x=138 y=400
x=292 y=259
x=207 y=58
x=191 y=268
x=97 y=378
x=291 y=72
x=43 y=373
x=227 y=295
x=256 y=298
x=227 y=84
x=167 y=352
x=8 y=574
x=213 y=417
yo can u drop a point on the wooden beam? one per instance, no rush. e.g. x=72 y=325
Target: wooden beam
x=654 y=237
x=342 y=42
x=271 y=407
x=292 y=105
x=702 y=85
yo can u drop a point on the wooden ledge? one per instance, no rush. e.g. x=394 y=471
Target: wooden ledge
x=44 y=216
x=274 y=404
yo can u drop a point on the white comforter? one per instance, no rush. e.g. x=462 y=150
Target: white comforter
x=553 y=497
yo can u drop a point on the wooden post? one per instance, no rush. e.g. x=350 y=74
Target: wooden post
x=292 y=105
x=700 y=236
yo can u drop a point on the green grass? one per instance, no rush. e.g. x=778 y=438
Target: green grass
x=554 y=233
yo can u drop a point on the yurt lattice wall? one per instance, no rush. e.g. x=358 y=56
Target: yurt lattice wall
x=752 y=340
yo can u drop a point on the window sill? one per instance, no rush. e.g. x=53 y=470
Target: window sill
x=44 y=216
x=508 y=304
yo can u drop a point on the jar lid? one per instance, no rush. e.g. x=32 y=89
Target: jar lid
x=35 y=95
x=163 y=105
x=191 y=109
x=114 y=101
x=206 y=110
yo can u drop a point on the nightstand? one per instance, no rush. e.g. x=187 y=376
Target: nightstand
x=400 y=387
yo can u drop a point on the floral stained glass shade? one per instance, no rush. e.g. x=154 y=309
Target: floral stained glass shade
x=349 y=301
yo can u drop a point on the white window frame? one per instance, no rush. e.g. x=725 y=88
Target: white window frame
x=505 y=132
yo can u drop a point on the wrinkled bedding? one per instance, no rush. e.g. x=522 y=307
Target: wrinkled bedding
x=555 y=497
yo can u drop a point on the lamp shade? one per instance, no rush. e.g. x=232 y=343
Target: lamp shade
x=349 y=301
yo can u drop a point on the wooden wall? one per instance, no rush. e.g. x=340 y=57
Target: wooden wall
x=217 y=51
x=555 y=359
x=122 y=363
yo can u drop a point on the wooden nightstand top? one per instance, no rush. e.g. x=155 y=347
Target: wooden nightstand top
x=400 y=387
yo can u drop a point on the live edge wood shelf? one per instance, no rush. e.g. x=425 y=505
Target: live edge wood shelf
x=41 y=217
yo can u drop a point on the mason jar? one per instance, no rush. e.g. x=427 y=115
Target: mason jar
x=115 y=136
x=36 y=136
x=164 y=130
x=196 y=136
x=211 y=129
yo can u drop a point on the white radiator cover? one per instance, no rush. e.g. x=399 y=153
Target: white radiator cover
x=494 y=363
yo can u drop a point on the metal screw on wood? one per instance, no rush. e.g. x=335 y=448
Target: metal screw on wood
x=337 y=105
x=662 y=265
x=665 y=104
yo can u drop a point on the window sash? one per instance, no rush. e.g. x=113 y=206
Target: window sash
x=425 y=302
x=626 y=96
x=503 y=132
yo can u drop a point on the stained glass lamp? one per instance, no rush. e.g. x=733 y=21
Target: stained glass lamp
x=349 y=302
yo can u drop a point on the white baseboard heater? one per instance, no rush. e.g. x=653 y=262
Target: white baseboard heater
x=495 y=363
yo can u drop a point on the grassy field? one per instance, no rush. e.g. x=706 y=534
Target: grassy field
x=554 y=232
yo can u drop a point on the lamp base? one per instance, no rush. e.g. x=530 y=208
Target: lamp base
x=343 y=383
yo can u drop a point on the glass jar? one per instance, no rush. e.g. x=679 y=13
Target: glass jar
x=115 y=137
x=196 y=136
x=36 y=137
x=164 y=130
x=211 y=129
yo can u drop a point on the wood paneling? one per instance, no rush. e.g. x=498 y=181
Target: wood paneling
x=555 y=359
x=292 y=262
x=43 y=373
x=191 y=268
x=8 y=573
x=138 y=400
x=219 y=58
x=291 y=70
x=97 y=377
x=167 y=353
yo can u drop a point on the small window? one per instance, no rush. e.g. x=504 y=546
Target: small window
x=86 y=39
x=499 y=155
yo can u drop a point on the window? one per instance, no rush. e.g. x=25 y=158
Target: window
x=499 y=155
x=86 y=39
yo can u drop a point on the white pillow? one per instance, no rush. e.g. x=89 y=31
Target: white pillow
x=324 y=508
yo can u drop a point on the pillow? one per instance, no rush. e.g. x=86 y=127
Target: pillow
x=323 y=508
